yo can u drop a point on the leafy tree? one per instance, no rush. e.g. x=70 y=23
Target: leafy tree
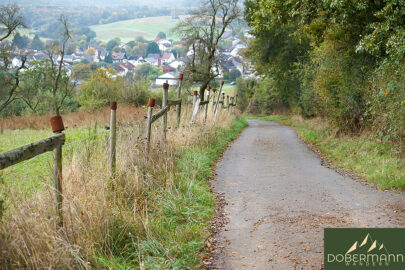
x=36 y=91
x=112 y=43
x=147 y=71
x=81 y=72
x=100 y=89
x=108 y=58
x=161 y=35
x=20 y=41
x=37 y=44
x=91 y=51
x=152 y=48
x=203 y=30
x=10 y=21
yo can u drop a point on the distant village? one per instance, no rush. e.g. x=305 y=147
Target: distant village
x=124 y=61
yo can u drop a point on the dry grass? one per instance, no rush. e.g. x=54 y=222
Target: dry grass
x=77 y=119
x=100 y=212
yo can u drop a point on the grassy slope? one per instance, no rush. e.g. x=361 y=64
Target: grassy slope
x=180 y=225
x=130 y=29
x=30 y=175
x=367 y=157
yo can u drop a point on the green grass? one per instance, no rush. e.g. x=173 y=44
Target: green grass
x=180 y=221
x=364 y=155
x=31 y=175
x=130 y=29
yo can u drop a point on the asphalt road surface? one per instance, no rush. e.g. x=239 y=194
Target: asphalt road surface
x=279 y=198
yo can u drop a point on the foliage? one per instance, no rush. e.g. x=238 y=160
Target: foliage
x=152 y=48
x=232 y=75
x=102 y=87
x=10 y=21
x=147 y=71
x=161 y=35
x=329 y=58
x=203 y=29
x=20 y=41
x=36 y=91
x=37 y=44
x=112 y=43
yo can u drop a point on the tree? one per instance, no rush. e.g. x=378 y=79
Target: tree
x=161 y=35
x=10 y=21
x=152 y=48
x=36 y=90
x=37 y=44
x=20 y=41
x=146 y=71
x=112 y=43
x=81 y=72
x=100 y=89
x=232 y=75
x=60 y=90
x=203 y=30
x=91 y=51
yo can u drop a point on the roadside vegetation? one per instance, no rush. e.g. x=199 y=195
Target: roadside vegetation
x=339 y=60
x=154 y=214
x=363 y=154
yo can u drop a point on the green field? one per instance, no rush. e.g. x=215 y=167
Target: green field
x=128 y=30
x=30 y=175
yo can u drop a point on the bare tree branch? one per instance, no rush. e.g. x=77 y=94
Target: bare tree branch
x=203 y=30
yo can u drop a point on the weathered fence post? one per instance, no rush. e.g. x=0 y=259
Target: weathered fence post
x=178 y=106
x=196 y=106
x=151 y=104
x=206 y=106
x=194 y=98
x=57 y=127
x=213 y=98
x=164 y=104
x=223 y=100
x=227 y=102
x=113 y=136
x=216 y=105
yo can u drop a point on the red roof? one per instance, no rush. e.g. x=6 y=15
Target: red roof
x=167 y=56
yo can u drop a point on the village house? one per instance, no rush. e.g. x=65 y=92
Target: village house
x=118 y=57
x=170 y=78
x=154 y=59
x=168 y=57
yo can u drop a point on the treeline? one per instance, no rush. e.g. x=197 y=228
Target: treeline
x=342 y=60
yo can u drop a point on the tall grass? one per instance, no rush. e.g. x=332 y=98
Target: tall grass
x=81 y=118
x=153 y=214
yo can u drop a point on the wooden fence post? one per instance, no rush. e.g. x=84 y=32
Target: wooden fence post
x=57 y=127
x=206 y=106
x=196 y=106
x=178 y=106
x=151 y=104
x=195 y=93
x=113 y=136
x=214 y=92
x=216 y=105
x=227 y=102
x=164 y=104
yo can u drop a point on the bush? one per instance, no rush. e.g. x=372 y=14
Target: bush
x=386 y=110
x=100 y=89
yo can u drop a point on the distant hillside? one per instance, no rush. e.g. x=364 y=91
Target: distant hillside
x=130 y=29
x=104 y=3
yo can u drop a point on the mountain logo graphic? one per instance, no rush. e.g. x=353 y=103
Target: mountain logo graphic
x=374 y=245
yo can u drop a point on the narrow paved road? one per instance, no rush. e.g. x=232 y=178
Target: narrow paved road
x=280 y=198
